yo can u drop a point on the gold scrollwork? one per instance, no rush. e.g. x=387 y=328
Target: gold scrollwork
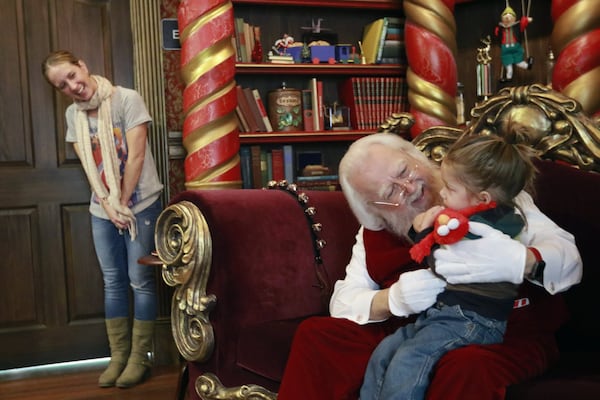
x=209 y=387
x=184 y=246
x=546 y=119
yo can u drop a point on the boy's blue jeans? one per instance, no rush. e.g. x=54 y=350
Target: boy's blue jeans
x=401 y=365
x=118 y=257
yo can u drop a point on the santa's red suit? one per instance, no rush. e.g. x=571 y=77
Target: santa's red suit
x=329 y=355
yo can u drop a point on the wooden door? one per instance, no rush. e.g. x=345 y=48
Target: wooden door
x=50 y=283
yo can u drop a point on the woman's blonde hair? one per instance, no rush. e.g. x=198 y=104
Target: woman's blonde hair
x=58 y=57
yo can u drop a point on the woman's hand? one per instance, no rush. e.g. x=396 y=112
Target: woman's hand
x=115 y=217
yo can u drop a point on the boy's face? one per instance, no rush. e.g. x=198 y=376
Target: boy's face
x=454 y=193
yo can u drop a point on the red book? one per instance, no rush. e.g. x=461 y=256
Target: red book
x=263 y=110
x=307 y=110
x=314 y=91
x=246 y=111
x=260 y=123
x=350 y=93
x=277 y=164
x=242 y=123
x=255 y=163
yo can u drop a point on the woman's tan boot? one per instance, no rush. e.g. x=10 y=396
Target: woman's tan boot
x=138 y=365
x=119 y=340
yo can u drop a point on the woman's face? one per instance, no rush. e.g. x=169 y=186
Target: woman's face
x=73 y=80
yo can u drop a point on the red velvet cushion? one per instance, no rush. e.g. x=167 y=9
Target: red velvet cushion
x=263 y=273
x=263 y=348
x=571 y=197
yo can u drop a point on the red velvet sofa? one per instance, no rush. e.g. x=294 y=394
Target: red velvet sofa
x=247 y=267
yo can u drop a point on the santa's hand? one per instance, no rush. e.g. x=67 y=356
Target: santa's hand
x=495 y=257
x=414 y=292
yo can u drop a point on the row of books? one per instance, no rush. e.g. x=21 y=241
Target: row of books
x=251 y=112
x=370 y=100
x=383 y=41
x=253 y=116
x=244 y=39
x=373 y=99
x=260 y=164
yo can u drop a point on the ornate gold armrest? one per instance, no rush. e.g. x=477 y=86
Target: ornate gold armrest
x=209 y=387
x=184 y=246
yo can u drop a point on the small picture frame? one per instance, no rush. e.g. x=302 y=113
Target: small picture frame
x=337 y=118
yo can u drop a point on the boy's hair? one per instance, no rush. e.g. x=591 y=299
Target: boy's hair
x=492 y=163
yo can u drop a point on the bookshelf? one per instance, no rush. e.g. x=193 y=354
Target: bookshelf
x=346 y=18
x=320 y=69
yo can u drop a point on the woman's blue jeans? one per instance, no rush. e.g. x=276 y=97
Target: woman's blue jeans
x=118 y=257
x=401 y=365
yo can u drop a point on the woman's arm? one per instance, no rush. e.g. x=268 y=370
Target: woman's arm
x=136 y=150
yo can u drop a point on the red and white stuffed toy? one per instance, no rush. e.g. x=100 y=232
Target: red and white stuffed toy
x=449 y=227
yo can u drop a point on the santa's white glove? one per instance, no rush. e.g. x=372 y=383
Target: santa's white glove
x=495 y=257
x=414 y=292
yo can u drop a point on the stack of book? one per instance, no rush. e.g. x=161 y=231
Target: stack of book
x=392 y=49
x=281 y=59
x=243 y=40
x=372 y=100
x=251 y=112
x=318 y=182
x=383 y=41
x=260 y=165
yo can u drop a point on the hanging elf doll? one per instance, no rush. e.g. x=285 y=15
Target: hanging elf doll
x=511 y=51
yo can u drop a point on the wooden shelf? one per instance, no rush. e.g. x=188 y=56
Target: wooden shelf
x=301 y=137
x=364 y=4
x=320 y=69
x=346 y=19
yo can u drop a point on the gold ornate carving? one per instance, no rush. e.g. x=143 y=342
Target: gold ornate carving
x=546 y=119
x=209 y=387
x=399 y=123
x=184 y=246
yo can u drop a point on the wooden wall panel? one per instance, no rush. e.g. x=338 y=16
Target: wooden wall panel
x=50 y=281
x=84 y=282
x=14 y=110
x=18 y=291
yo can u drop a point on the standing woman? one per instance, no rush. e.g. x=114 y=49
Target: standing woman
x=108 y=126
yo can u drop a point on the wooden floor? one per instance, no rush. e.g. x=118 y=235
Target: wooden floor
x=82 y=385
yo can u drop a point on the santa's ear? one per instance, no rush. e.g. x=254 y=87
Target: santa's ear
x=485 y=197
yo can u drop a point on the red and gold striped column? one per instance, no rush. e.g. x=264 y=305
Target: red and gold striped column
x=210 y=132
x=576 y=42
x=430 y=36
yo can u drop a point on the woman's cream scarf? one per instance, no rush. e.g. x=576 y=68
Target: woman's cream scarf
x=101 y=100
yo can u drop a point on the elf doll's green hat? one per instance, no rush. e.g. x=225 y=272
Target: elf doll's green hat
x=509 y=10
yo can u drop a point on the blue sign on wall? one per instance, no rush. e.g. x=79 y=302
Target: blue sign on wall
x=170 y=33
